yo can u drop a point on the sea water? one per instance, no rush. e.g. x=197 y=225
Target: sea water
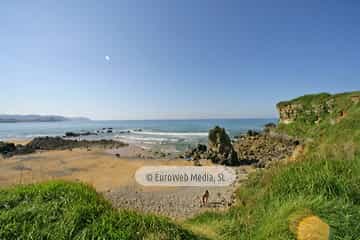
x=178 y=134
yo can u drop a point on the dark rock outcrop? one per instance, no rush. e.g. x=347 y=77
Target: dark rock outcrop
x=254 y=148
x=54 y=143
x=105 y=130
x=10 y=149
x=264 y=149
x=252 y=133
x=51 y=143
x=75 y=134
x=58 y=143
x=7 y=148
x=124 y=132
x=199 y=152
x=23 y=149
x=221 y=150
x=71 y=134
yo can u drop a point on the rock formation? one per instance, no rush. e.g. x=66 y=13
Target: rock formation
x=196 y=153
x=221 y=150
x=256 y=148
x=54 y=143
x=10 y=149
x=78 y=134
x=289 y=112
x=263 y=149
x=6 y=148
x=308 y=109
x=316 y=108
x=58 y=143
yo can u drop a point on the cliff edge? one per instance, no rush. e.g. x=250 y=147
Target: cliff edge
x=305 y=113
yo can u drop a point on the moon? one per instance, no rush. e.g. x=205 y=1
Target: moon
x=107 y=58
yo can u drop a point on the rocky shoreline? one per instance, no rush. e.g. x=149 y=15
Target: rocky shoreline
x=54 y=143
x=264 y=149
x=253 y=148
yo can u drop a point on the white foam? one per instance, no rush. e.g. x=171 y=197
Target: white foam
x=136 y=138
x=199 y=134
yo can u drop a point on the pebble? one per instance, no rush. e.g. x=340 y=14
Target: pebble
x=180 y=202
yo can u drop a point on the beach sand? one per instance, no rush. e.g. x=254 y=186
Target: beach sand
x=97 y=167
x=18 y=141
x=114 y=177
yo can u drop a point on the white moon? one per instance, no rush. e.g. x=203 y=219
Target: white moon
x=107 y=58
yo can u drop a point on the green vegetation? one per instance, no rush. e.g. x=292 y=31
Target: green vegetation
x=337 y=134
x=306 y=99
x=326 y=109
x=271 y=201
x=63 y=210
x=325 y=181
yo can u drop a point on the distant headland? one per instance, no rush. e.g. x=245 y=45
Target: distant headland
x=14 y=118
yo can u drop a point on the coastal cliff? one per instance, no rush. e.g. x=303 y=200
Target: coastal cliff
x=309 y=108
x=307 y=115
x=312 y=109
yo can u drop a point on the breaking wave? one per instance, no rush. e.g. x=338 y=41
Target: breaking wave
x=177 y=134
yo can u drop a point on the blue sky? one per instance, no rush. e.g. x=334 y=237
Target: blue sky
x=173 y=59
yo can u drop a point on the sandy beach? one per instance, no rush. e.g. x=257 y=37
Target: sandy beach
x=111 y=172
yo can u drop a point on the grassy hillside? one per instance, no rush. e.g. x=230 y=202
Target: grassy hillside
x=337 y=133
x=324 y=182
x=272 y=202
x=62 y=210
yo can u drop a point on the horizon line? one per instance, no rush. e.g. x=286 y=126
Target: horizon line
x=185 y=119
x=138 y=119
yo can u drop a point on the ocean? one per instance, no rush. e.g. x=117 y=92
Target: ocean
x=175 y=135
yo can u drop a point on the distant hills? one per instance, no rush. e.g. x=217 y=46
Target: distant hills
x=9 y=118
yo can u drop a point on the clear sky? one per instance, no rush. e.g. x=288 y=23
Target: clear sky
x=173 y=59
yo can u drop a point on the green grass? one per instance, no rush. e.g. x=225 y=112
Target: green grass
x=304 y=126
x=326 y=182
x=64 y=210
x=307 y=100
x=271 y=199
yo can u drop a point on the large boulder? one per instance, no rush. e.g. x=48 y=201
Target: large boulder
x=78 y=134
x=10 y=149
x=221 y=150
x=72 y=134
x=7 y=148
x=198 y=152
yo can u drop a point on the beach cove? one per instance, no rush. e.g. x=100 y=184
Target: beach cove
x=111 y=172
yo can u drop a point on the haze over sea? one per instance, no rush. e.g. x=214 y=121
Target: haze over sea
x=146 y=133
